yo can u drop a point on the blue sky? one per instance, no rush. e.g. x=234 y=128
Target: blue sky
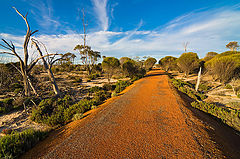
x=131 y=28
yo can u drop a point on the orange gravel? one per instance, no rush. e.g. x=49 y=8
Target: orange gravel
x=148 y=121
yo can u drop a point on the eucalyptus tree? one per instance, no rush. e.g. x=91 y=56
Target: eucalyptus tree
x=110 y=66
x=149 y=63
x=88 y=56
x=233 y=45
x=187 y=62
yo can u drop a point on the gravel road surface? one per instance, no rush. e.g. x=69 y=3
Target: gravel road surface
x=149 y=120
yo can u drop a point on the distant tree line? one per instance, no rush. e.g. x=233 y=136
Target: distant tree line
x=223 y=67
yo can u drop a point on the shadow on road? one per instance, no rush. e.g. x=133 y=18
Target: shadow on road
x=227 y=139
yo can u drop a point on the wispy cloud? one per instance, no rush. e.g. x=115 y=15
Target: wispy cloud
x=43 y=12
x=205 y=30
x=100 y=8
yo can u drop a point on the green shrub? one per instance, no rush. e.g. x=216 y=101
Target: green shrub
x=6 y=105
x=78 y=108
x=187 y=88
x=227 y=115
x=224 y=66
x=109 y=87
x=15 y=144
x=77 y=116
x=149 y=63
x=93 y=107
x=100 y=97
x=121 y=85
x=238 y=95
x=51 y=111
x=94 y=89
x=209 y=56
x=168 y=63
x=114 y=94
x=110 y=66
x=228 y=86
x=188 y=62
x=203 y=87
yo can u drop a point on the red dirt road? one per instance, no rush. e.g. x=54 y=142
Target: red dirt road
x=148 y=121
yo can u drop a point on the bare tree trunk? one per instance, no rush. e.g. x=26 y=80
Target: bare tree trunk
x=199 y=78
x=26 y=85
x=31 y=85
x=48 y=69
x=53 y=81
x=25 y=68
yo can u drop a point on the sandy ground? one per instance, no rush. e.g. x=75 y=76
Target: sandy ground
x=150 y=120
x=18 y=121
x=218 y=93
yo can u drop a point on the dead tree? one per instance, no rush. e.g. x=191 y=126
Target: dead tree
x=88 y=56
x=25 y=67
x=198 y=79
x=48 y=66
x=185 y=44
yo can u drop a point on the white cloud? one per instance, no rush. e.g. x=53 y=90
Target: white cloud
x=100 y=8
x=206 y=31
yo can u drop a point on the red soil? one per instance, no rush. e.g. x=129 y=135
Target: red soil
x=148 y=121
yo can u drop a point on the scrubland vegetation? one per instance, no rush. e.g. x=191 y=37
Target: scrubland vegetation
x=219 y=80
x=14 y=144
x=53 y=90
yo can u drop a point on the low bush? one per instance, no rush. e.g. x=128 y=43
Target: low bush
x=238 y=95
x=94 y=89
x=15 y=144
x=93 y=107
x=228 y=115
x=100 y=97
x=6 y=105
x=109 y=87
x=203 y=88
x=114 y=94
x=59 y=111
x=77 y=116
x=51 y=111
x=188 y=62
x=188 y=89
x=121 y=85
x=224 y=66
x=228 y=86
